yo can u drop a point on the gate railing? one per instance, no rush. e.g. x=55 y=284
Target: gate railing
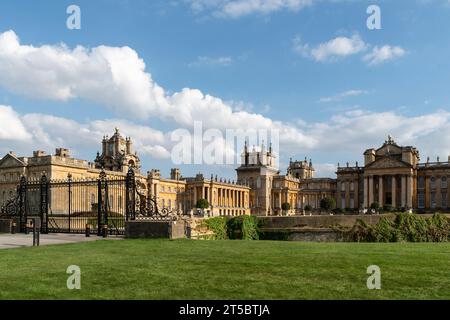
x=68 y=206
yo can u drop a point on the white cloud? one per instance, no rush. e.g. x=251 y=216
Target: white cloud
x=343 y=95
x=49 y=132
x=331 y=50
x=348 y=133
x=117 y=79
x=211 y=62
x=341 y=47
x=11 y=127
x=383 y=54
x=239 y=8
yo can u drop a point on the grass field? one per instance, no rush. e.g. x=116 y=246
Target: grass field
x=162 y=269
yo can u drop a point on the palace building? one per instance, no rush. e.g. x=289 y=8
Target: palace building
x=392 y=175
x=270 y=190
x=117 y=156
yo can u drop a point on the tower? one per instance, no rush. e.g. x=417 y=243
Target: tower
x=117 y=154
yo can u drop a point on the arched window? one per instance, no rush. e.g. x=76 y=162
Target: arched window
x=433 y=182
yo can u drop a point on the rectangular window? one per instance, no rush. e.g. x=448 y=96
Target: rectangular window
x=352 y=201
x=433 y=200
x=421 y=198
x=444 y=200
x=421 y=183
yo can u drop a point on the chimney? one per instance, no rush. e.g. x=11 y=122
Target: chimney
x=38 y=153
x=62 y=152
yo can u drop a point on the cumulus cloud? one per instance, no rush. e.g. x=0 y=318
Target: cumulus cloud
x=11 y=127
x=331 y=50
x=240 y=8
x=348 y=133
x=383 y=54
x=35 y=130
x=342 y=47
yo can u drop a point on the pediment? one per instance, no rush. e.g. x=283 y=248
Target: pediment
x=389 y=149
x=387 y=163
x=9 y=161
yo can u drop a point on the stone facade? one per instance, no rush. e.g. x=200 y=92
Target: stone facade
x=393 y=175
x=175 y=193
x=270 y=189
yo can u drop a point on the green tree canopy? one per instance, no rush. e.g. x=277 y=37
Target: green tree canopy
x=202 y=204
x=328 y=203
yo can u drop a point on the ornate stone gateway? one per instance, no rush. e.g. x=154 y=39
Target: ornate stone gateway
x=82 y=206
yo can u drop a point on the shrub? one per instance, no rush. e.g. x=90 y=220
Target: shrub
x=243 y=227
x=327 y=203
x=388 y=208
x=286 y=206
x=308 y=208
x=202 y=204
x=375 y=206
x=339 y=211
x=405 y=227
x=218 y=225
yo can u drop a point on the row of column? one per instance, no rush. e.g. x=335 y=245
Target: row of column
x=230 y=198
x=406 y=193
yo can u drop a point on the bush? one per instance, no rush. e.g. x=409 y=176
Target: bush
x=339 y=211
x=327 y=203
x=375 y=206
x=286 y=206
x=218 y=225
x=308 y=208
x=243 y=227
x=388 y=208
x=202 y=204
x=405 y=227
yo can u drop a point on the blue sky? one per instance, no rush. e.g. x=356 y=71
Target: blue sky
x=312 y=66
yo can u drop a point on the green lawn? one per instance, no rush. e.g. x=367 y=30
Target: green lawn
x=162 y=269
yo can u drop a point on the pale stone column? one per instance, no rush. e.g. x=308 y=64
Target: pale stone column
x=366 y=192
x=380 y=191
x=438 y=192
x=279 y=200
x=409 y=193
x=403 y=199
x=394 y=191
x=370 y=190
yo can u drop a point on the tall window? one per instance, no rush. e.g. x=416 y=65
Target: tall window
x=433 y=182
x=433 y=200
x=421 y=199
x=444 y=200
x=352 y=201
x=421 y=183
x=343 y=200
x=443 y=182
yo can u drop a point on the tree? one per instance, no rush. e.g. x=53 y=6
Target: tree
x=286 y=207
x=375 y=206
x=202 y=204
x=327 y=203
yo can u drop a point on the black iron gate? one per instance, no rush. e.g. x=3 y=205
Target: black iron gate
x=84 y=205
x=74 y=206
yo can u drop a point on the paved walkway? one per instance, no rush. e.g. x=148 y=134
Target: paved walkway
x=8 y=241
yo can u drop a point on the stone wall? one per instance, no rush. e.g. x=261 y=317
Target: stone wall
x=155 y=229
x=318 y=221
x=323 y=221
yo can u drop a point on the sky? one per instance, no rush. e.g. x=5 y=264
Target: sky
x=310 y=69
